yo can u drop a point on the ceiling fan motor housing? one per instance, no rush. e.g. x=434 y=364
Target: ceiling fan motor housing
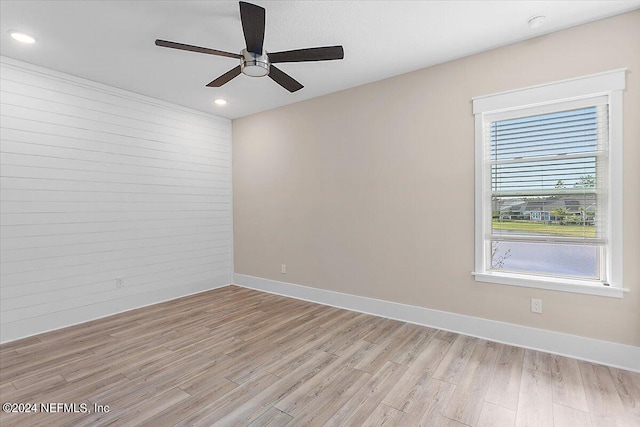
x=254 y=65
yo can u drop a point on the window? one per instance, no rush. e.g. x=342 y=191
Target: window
x=548 y=186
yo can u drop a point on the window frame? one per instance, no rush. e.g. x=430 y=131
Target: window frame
x=608 y=84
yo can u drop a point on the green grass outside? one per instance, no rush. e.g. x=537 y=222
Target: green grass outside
x=542 y=228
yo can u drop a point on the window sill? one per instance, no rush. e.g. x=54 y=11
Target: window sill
x=568 y=285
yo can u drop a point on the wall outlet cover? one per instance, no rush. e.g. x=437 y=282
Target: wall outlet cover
x=536 y=305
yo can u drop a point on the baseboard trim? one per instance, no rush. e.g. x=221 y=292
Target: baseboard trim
x=588 y=349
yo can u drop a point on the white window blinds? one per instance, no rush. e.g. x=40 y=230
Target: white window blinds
x=549 y=168
x=547 y=172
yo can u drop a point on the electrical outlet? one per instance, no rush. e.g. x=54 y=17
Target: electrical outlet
x=119 y=282
x=536 y=305
x=283 y=269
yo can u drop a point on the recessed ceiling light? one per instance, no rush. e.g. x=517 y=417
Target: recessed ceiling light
x=22 y=37
x=536 y=21
x=220 y=101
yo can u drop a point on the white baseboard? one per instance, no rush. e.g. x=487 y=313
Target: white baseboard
x=588 y=349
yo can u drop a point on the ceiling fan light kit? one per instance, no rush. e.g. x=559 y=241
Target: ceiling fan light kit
x=254 y=60
x=254 y=65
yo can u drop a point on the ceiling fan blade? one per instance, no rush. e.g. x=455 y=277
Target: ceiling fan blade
x=190 y=48
x=327 y=53
x=284 y=79
x=253 y=22
x=226 y=77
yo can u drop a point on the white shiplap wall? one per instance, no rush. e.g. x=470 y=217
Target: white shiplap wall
x=98 y=183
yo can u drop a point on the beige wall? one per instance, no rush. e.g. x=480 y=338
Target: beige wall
x=370 y=191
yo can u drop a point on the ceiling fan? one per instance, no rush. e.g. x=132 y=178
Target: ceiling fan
x=254 y=60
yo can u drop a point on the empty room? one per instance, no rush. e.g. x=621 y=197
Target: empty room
x=320 y=213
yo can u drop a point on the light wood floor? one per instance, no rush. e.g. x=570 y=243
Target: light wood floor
x=234 y=356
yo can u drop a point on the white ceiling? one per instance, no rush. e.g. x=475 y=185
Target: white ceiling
x=112 y=42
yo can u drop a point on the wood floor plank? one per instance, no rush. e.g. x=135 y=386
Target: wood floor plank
x=563 y=416
x=175 y=413
x=212 y=411
x=257 y=405
x=7 y=388
x=603 y=421
x=356 y=410
x=9 y=358
x=496 y=416
x=537 y=361
x=447 y=336
x=566 y=381
x=272 y=418
x=70 y=393
x=97 y=365
x=42 y=365
x=385 y=416
x=384 y=329
x=339 y=342
x=456 y=359
x=209 y=378
x=403 y=395
x=140 y=411
x=430 y=403
x=298 y=354
x=602 y=396
x=505 y=383
x=408 y=354
x=295 y=402
x=18 y=344
x=326 y=403
x=466 y=402
x=628 y=386
x=378 y=354
x=235 y=356
x=251 y=361
x=442 y=421
x=29 y=391
x=535 y=401
x=342 y=318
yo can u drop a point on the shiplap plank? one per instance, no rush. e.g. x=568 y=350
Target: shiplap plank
x=19 y=297
x=93 y=217
x=60 y=83
x=58 y=251
x=158 y=233
x=116 y=148
x=96 y=165
x=145 y=132
x=106 y=160
x=117 y=266
x=55 y=172
x=112 y=138
x=97 y=111
x=46 y=263
x=9 y=316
